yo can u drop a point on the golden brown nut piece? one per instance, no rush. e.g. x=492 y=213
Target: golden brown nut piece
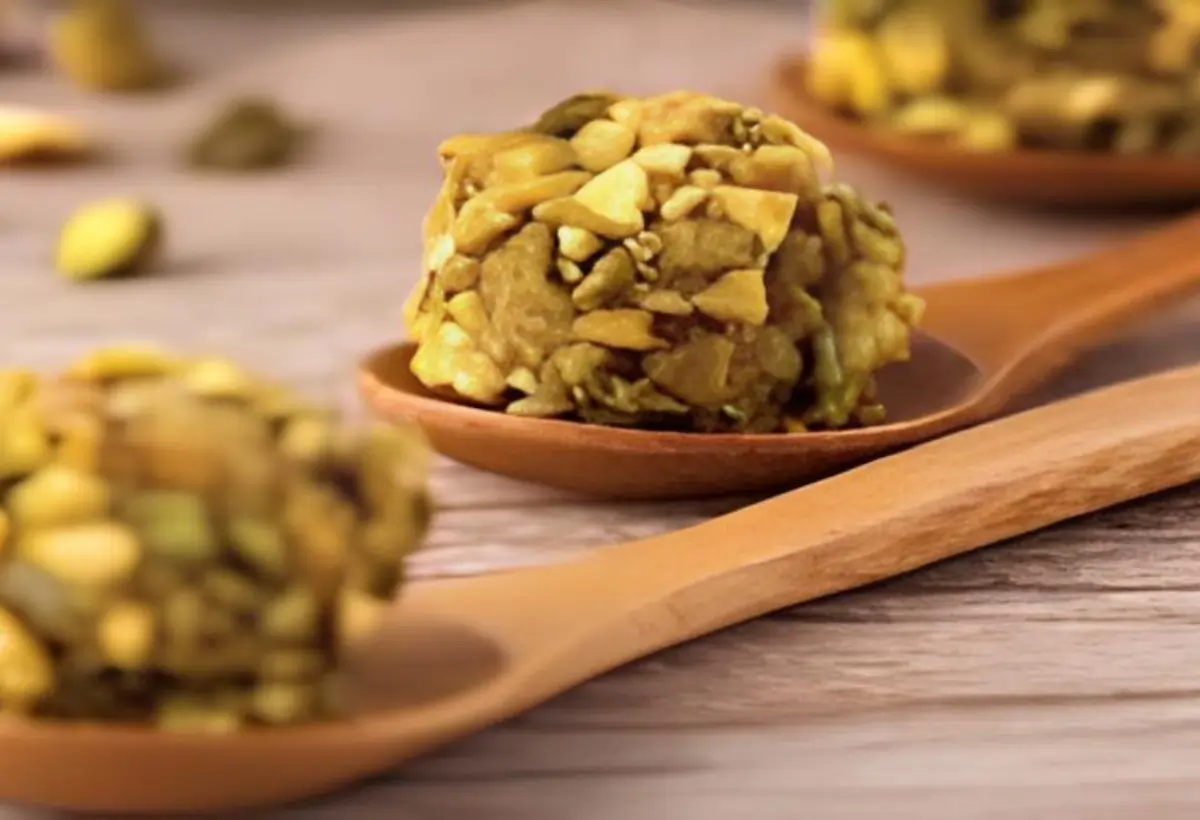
x=101 y=45
x=109 y=237
x=668 y=262
x=1111 y=75
x=29 y=135
x=185 y=545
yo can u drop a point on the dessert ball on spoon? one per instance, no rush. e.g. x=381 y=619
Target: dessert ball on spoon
x=186 y=546
x=669 y=262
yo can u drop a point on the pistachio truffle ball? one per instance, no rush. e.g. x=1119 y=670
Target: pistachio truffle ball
x=671 y=262
x=1120 y=76
x=186 y=546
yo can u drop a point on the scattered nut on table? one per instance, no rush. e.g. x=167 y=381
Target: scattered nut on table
x=185 y=545
x=108 y=238
x=101 y=45
x=246 y=134
x=670 y=262
x=29 y=135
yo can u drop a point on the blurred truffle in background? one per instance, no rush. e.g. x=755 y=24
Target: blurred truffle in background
x=1119 y=76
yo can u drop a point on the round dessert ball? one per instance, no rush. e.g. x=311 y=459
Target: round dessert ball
x=1103 y=75
x=671 y=262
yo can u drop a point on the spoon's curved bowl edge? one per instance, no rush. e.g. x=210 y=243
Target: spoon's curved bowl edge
x=625 y=464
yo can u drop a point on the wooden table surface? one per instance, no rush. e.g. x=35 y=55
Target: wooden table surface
x=1054 y=676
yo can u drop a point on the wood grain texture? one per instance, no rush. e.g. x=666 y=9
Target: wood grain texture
x=1050 y=676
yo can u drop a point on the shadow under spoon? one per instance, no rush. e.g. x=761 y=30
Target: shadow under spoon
x=457 y=656
x=986 y=342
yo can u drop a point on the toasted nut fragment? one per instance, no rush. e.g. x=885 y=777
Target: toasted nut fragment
x=216 y=378
x=26 y=671
x=767 y=213
x=479 y=224
x=87 y=555
x=846 y=70
x=462 y=146
x=705 y=178
x=624 y=328
x=667 y=302
x=57 y=496
x=931 y=116
x=173 y=525
x=126 y=634
x=666 y=159
x=30 y=135
x=577 y=244
x=570 y=212
x=610 y=277
x=697 y=372
x=777 y=130
x=517 y=197
x=601 y=144
x=627 y=112
x=570 y=271
x=782 y=168
x=571 y=114
x=359 y=617
x=468 y=311
x=451 y=359
x=681 y=203
x=111 y=237
x=441 y=250
x=989 y=131
x=458 y=273
x=738 y=296
x=914 y=50
x=125 y=361
x=617 y=195
x=687 y=118
x=523 y=379
x=531 y=159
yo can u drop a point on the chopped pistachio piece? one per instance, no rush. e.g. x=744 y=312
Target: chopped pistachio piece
x=625 y=328
x=577 y=244
x=601 y=144
x=110 y=237
x=29 y=135
x=617 y=194
x=738 y=296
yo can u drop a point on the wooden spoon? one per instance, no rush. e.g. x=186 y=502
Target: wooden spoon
x=986 y=342
x=460 y=655
x=1055 y=178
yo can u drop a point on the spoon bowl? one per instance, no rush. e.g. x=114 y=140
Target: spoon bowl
x=985 y=343
x=456 y=656
x=1032 y=177
x=922 y=396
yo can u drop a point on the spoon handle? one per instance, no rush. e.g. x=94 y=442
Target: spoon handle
x=1024 y=326
x=565 y=623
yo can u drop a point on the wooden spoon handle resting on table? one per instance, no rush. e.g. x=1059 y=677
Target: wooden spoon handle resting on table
x=565 y=623
x=1021 y=327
